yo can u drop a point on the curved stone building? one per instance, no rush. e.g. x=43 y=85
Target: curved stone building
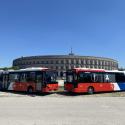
x=63 y=62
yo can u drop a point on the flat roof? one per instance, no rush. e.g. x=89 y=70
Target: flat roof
x=64 y=56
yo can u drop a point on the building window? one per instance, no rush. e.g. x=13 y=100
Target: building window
x=107 y=63
x=56 y=67
x=51 y=61
x=81 y=61
x=87 y=66
x=77 y=61
x=86 y=62
x=72 y=61
x=99 y=67
x=91 y=62
x=67 y=67
x=62 y=68
x=67 y=61
x=101 y=63
x=62 y=62
x=91 y=66
x=97 y=62
x=42 y=62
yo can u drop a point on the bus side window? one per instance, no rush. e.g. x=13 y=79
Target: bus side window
x=106 y=78
x=1 y=77
x=14 y=77
x=97 y=77
x=109 y=77
x=30 y=76
x=48 y=77
x=85 y=77
x=23 y=77
x=33 y=76
x=11 y=78
x=5 y=78
x=120 y=77
x=39 y=77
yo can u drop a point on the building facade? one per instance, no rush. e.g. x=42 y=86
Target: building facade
x=63 y=62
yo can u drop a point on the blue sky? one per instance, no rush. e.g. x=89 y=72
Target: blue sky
x=44 y=27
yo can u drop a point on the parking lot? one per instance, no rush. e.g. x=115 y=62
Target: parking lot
x=61 y=109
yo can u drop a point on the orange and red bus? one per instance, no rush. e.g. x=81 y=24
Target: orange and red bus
x=80 y=80
x=30 y=80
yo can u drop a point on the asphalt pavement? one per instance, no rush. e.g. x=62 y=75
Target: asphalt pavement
x=53 y=109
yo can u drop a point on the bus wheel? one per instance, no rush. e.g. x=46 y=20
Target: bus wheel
x=30 y=90
x=90 y=90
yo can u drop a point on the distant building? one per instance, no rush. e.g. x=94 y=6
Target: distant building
x=63 y=62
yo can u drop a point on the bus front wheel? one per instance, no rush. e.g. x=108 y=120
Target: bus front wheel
x=90 y=90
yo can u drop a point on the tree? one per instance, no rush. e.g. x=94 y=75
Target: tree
x=121 y=69
x=10 y=68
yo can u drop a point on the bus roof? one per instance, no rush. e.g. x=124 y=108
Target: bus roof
x=116 y=71
x=96 y=70
x=89 y=70
x=34 y=69
x=30 y=69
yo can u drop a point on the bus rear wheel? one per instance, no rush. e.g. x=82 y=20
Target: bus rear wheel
x=90 y=90
x=30 y=90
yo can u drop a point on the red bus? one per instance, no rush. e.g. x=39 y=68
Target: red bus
x=80 y=80
x=30 y=80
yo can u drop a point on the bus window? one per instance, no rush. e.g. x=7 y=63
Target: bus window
x=85 y=77
x=30 y=77
x=33 y=76
x=1 y=80
x=109 y=77
x=14 y=77
x=97 y=77
x=106 y=78
x=120 y=77
x=23 y=77
x=39 y=78
x=1 y=77
x=51 y=76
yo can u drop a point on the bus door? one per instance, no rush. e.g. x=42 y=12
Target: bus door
x=39 y=81
x=5 y=81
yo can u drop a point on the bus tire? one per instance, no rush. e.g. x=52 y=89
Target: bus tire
x=90 y=90
x=30 y=90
